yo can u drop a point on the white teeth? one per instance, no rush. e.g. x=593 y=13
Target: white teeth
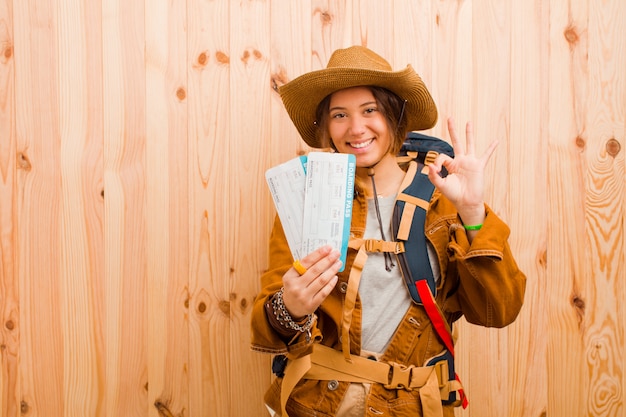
x=362 y=144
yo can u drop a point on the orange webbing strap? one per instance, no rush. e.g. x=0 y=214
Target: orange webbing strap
x=294 y=371
x=326 y=364
x=363 y=246
x=350 y=301
x=440 y=325
x=416 y=201
x=410 y=204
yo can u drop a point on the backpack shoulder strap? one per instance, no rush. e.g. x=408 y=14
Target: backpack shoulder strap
x=410 y=211
x=409 y=215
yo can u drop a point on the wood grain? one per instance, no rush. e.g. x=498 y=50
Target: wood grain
x=38 y=207
x=414 y=23
x=210 y=346
x=525 y=198
x=167 y=208
x=80 y=235
x=605 y=197
x=330 y=28
x=9 y=294
x=452 y=74
x=568 y=265
x=248 y=200
x=124 y=193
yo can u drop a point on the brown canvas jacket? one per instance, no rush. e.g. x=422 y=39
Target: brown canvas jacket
x=480 y=281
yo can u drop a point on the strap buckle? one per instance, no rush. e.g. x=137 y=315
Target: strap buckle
x=373 y=245
x=404 y=377
x=399 y=376
x=442 y=370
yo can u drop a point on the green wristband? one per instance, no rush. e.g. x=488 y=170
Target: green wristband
x=473 y=227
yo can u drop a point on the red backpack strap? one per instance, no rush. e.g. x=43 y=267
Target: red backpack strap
x=439 y=323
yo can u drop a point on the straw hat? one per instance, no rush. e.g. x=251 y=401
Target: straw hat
x=351 y=67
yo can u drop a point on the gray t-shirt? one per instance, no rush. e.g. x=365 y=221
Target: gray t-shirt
x=384 y=296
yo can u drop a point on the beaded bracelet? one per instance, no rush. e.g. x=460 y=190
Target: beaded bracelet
x=285 y=319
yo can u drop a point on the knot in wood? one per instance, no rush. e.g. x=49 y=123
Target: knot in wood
x=24 y=407
x=224 y=306
x=326 y=18
x=202 y=59
x=571 y=36
x=580 y=142
x=613 y=147
x=222 y=58
x=23 y=162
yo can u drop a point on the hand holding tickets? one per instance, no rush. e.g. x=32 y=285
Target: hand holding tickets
x=313 y=198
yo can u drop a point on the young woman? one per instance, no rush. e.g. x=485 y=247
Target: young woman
x=355 y=342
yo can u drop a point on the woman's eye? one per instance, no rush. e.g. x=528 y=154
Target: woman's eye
x=338 y=115
x=370 y=110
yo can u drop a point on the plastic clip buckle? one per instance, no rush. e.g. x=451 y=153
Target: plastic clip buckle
x=400 y=376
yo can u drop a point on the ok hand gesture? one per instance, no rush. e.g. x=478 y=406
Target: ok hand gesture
x=464 y=185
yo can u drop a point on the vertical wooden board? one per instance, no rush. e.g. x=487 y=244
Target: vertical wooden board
x=124 y=129
x=210 y=353
x=291 y=57
x=330 y=29
x=411 y=35
x=80 y=237
x=568 y=262
x=490 y=114
x=372 y=26
x=452 y=75
x=527 y=194
x=250 y=89
x=9 y=302
x=605 y=197
x=414 y=24
x=167 y=207
x=38 y=187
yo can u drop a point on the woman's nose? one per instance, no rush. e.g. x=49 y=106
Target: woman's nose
x=357 y=126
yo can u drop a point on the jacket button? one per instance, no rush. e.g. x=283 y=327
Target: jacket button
x=343 y=287
x=333 y=385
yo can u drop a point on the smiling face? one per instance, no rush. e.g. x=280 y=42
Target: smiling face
x=357 y=125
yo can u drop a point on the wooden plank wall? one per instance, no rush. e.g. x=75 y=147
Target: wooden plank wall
x=134 y=217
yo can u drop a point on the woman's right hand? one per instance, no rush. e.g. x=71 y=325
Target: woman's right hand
x=304 y=293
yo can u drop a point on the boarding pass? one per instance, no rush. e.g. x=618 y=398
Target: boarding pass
x=313 y=198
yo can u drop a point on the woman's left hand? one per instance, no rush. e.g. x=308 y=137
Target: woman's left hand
x=464 y=184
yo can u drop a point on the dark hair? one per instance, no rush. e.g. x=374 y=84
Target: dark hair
x=390 y=105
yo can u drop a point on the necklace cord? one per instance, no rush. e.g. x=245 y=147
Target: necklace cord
x=388 y=261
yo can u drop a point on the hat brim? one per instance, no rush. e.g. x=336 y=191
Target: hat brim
x=302 y=95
